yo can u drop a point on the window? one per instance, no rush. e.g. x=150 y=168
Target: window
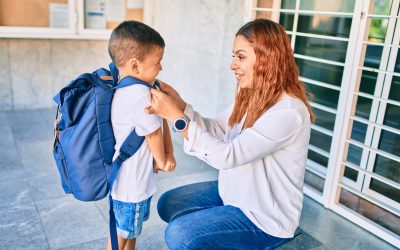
x=320 y=34
x=349 y=59
x=70 y=19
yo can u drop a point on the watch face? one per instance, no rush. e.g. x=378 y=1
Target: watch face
x=180 y=124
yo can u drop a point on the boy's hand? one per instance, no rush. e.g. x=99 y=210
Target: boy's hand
x=155 y=167
x=170 y=162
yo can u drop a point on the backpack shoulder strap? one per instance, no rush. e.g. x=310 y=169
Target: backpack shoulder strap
x=133 y=142
x=128 y=148
x=129 y=81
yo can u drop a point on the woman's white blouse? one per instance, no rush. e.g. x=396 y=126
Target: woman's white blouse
x=261 y=169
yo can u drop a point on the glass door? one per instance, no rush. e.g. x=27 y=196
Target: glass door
x=372 y=148
x=320 y=33
x=348 y=55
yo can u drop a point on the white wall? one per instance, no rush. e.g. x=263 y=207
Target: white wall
x=32 y=71
x=199 y=37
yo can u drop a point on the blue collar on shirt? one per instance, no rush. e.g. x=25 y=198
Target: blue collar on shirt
x=130 y=80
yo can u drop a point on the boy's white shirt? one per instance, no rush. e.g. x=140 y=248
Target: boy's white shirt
x=135 y=181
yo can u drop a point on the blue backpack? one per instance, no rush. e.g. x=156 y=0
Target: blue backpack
x=84 y=140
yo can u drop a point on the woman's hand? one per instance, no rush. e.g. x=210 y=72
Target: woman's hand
x=168 y=105
x=170 y=91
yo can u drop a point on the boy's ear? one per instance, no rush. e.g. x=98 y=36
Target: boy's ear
x=133 y=65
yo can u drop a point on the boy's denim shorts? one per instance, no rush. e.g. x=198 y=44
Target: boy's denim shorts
x=129 y=217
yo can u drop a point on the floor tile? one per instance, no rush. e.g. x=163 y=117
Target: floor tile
x=48 y=116
x=14 y=188
x=91 y=245
x=36 y=154
x=28 y=126
x=44 y=183
x=333 y=230
x=9 y=156
x=303 y=241
x=69 y=222
x=20 y=228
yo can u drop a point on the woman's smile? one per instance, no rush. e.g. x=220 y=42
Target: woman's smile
x=239 y=77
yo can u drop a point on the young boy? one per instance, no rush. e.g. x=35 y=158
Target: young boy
x=137 y=49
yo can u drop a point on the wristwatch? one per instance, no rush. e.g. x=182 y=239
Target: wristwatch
x=180 y=124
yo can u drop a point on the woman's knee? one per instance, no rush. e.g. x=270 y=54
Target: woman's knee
x=177 y=235
x=187 y=199
x=163 y=206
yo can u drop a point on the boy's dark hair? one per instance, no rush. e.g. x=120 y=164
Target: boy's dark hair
x=132 y=39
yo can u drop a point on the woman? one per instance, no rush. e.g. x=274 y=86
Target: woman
x=259 y=145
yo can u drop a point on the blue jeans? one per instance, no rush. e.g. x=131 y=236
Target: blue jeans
x=129 y=217
x=198 y=219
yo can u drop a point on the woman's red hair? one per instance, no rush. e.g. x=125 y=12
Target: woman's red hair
x=275 y=72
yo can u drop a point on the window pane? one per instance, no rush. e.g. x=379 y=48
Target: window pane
x=286 y=20
x=285 y=4
x=394 y=93
x=392 y=116
x=320 y=159
x=322 y=72
x=35 y=14
x=323 y=5
x=324 y=96
x=370 y=211
x=373 y=56
x=324 y=25
x=390 y=142
x=368 y=82
x=385 y=189
x=321 y=48
x=381 y=7
x=363 y=107
x=96 y=16
x=354 y=154
x=359 y=131
x=350 y=173
x=320 y=140
x=264 y=14
x=387 y=168
x=324 y=119
x=397 y=65
x=314 y=181
x=377 y=29
x=288 y=4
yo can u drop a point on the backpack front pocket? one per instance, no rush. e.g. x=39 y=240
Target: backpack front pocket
x=61 y=166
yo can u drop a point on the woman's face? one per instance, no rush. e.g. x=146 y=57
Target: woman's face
x=243 y=61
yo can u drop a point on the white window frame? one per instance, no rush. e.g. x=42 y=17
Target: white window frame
x=76 y=28
x=43 y=32
x=372 y=139
x=334 y=173
x=312 y=166
x=394 y=46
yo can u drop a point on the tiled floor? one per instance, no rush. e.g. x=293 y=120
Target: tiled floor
x=36 y=214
